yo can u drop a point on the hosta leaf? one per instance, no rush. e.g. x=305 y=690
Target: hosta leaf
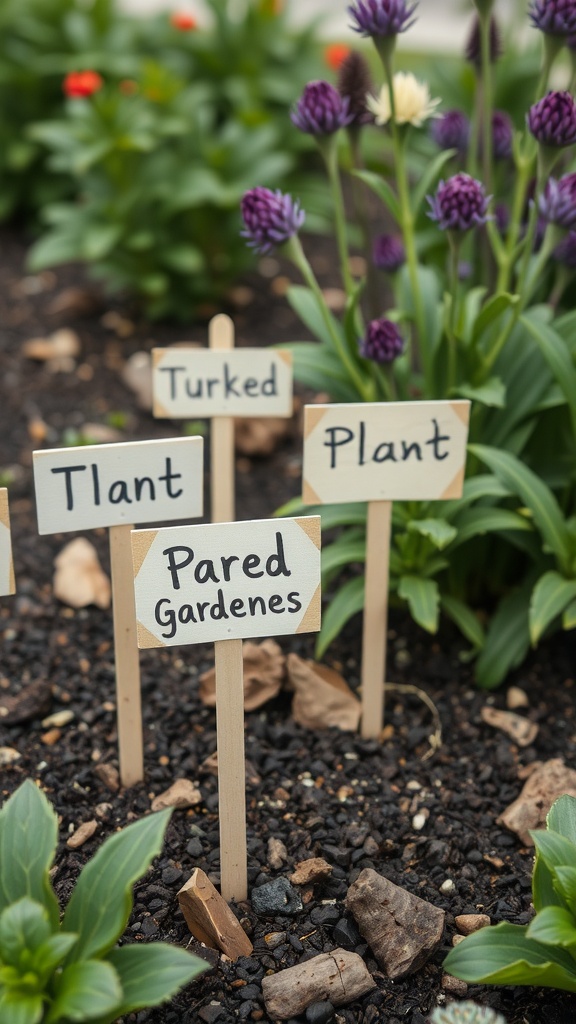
x=24 y=926
x=566 y=881
x=343 y=552
x=28 y=834
x=492 y=393
x=553 y=926
x=19 y=1008
x=551 y=595
x=423 y=600
x=503 y=955
x=561 y=817
x=150 y=974
x=85 y=991
x=478 y=521
x=438 y=531
x=463 y=617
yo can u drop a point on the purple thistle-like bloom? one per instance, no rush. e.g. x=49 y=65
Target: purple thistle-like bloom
x=451 y=131
x=565 y=251
x=502 y=135
x=388 y=253
x=321 y=110
x=383 y=341
x=383 y=18
x=554 y=17
x=552 y=120
x=558 y=202
x=459 y=204
x=270 y=218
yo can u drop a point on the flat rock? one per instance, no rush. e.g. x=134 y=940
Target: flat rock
x=338 y=977
x=402 y=930
x=313 y=870
x=276 y=897
x=210 y=919
x=82 y=834
x=322 y=698
x=32 y=701
x=180 y=794
x=468 y=923
x=520 y=729
x=542 y=787
x=79 y=579
x=455 y=986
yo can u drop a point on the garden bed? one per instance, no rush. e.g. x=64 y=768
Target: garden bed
x=328 y=794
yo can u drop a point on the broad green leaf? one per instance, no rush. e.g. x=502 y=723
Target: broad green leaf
x=561 y=817
x=150 y=974
x=463 y=617
x=557 y=355
x=305 y=305
x=18 y=1008
x=470 y=312
x=423 y=600
x=569 y=616
x=295 y=507
x=319 y=368
x=438 y=531
x=534 y=493
x=24 y=926
x=52 y=952
x=555 y=849
x=507 y=640
x=383 y=190
x=503 y=955
x=485 y=485
x=346 y=602
x=430 y=176
x=492 y=393
x=102 y=900
x=493 y=309
x=551 y=595
x=85 y=991
x=342 y=552
x=553 y=926
x=28 y=835
x=478 y=521
x=566 y=882
x=99 y=240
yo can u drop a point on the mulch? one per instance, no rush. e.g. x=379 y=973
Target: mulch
x=326 y=793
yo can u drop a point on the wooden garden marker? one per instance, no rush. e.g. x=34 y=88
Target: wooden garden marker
x=223 y=583
x=219 y=383
x=7 y=582
x=379 y=453
x=115 y=485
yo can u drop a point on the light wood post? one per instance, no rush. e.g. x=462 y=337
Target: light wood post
x=221 y=336
x=231 y=769
x=127 y=658
x=378 y=532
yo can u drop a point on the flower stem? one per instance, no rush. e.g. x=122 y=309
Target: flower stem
x=485 y=20
x=525 y=168
x=329 y=151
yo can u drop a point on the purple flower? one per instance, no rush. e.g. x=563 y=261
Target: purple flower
x=388 y=253
x=565 y=251
x=473 y=46
x=557 y=203
x=552 y=120
x=459 y=204
x=383 y=341
x=451 y=131
x=554 y=17
x=321 y=110
x=502 y=135
x=270 y=218
x=354 y=84
x=382 y=18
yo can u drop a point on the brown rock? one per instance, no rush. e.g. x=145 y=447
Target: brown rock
x=79 y=580
x=210 y=919
x=83 y=833
x=313 y=870
x=264 y=671
x=455 y=986
x=520 y=729
x=8 y=755
x=549 y=781
x=51 y=737
x=59 y=350
x=33 y=701
x=516 y=698
x=109 y=775
x=277 y=854
x=468 y=923
x=322 y=698
x=402 y=930
x=339 y=976
x=181 y=794
x=258 y=435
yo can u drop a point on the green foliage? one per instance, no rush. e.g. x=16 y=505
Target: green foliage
x=542 y=953
x=465 y=1012
x=56 y=973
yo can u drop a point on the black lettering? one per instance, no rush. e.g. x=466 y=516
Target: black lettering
x=229 y=383
x=172 y=371
x=293 y=600
x=250 y=562
x=269 y=386
x=212 y=381
x=169 y=618
x=236 y=607
x=219 y=608
x=333 y=444
x=282 y=569
x=186 y=614
x=204 y=571
x=68 y=470
x=388 y=448
x=361 y=459
x=175 y=567
x=169 y=477
x=119 y=488
x=95 y=483
x=435 y=441
x=252 y=603
x=139 y=482
x=201 y=605
x=251 y=386
x=194 y=394
x=407 y=450
x=275 y=604
x=226 y=563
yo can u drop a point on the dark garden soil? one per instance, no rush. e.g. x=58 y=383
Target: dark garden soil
x=328 y=794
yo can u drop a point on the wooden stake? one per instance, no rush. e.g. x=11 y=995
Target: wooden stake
x=378 y=530
x=128 y=702
x=231 y=769
x=221 y=336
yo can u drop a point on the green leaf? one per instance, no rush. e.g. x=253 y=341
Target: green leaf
x=561 y=817
x=23 y=927
x=478 y=521
x=383 y=190
x=534 y=493
x=507 y=640
x=485 y=485
x=491 y=312
x=429 y=177
x=305 y=305
x=150 y=974
x=319 y=368
x=551 y=595
x=463 y=617
x=492 y=393
x=566 y=880
x=569 y=617
x=102 y=900
x=423 y=600
x=557 y=355
x=18 y=1008
x=347 y=602
x=28 y=835
x=553 y=926
x=503 y=955
x=184 y=259
x=85 y=991
x=99 y=240
x=438 y=531
x=555 y=849
x=341 y=553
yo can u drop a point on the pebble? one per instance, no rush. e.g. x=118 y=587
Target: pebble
x=455 y=986
x=516 y=698
x=82 y=834
x=194 y=848
x=181 y=794
x=325 y=915
x=275 y=939
x=320 y=1013
x=468 y=923
x=346 y=934
x=277 y=854
x=103 y=811
x=448 y=886
x=419 y=820
x=109 y=775
x=276 y=897
x=8 y=755
x=58 y=719
x=312 y=870
x=211 y=1012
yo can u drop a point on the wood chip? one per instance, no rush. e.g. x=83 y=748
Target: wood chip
x=210 y=919
x=83 y=833
x=549 y=781
x=33 y=701
x=520 y=729
x=339 y=977
x=181 y=794
x=322 y=698
x=313 y=870
x=264 y=672
x=109 y=775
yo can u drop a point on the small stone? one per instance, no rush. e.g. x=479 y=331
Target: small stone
x=325 y=914
x=194 y=848
x=455 y=986
x=51 y=737
x=8 y=755
x=276 y=897
x=103 y=811
x=109 y=775
x=313 y=870
x=277 y=854
x=468 y=923
x=171 y=875
x=448 y=886
x=544 y=785
x=275 y=939
x=59 y=719
x=420 y=819
x=457 y=939
x=520 y=729
x=82 y=834
x=320 y=1013
x=346 y=934
x=181 y=794
x=211 y=1012
x=516 y=698
x=32 y=701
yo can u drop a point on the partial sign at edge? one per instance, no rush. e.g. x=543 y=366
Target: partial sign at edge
x=7 y=579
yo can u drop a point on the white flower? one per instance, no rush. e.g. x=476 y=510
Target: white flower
x=411 y=99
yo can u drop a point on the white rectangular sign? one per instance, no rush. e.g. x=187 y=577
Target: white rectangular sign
x=112 y=484
x=7 y=584
x=385 y=451
x=198 y=584
x=201 y=382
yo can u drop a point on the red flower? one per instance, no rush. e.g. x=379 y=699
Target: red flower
x=334 y=54
x=183 y=21
x=79 y=84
